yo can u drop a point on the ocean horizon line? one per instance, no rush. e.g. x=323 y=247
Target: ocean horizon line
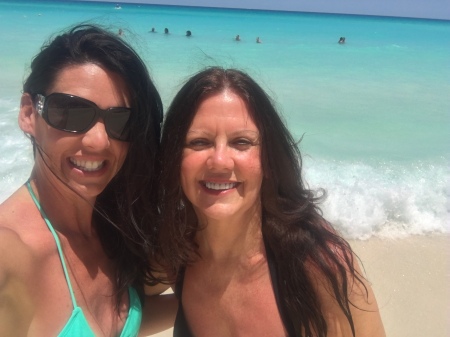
x=259 y=10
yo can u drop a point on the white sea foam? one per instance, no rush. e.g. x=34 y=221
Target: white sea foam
x=15 y=149
x=383 y=199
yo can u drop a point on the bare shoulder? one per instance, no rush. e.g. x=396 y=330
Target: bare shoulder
x=363 y=305
x=15 y=254
x=14 y=207
x=16 y=268
x=12 y=248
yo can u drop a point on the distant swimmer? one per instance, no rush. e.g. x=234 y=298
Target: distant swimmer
x=166 y=31
x=237 y=38
x=120 y=33
x=341 y=40
x=153 y=30
x=188 y=33
x=258 y=40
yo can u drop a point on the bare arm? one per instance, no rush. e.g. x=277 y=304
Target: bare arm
x=16 y=306
x=365 y=311
x=363 y=307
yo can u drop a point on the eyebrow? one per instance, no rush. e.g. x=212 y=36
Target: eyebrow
x=234 y=133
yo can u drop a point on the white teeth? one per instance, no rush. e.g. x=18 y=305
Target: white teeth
x=87 y=165
x=218 y=187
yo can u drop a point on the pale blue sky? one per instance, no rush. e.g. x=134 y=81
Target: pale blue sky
x=432 y=9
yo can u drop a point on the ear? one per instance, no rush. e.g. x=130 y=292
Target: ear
x=27 y=115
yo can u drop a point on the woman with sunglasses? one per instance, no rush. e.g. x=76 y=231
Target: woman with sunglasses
x=74 y=240
x=248 y=249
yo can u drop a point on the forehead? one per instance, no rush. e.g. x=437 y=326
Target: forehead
x=92 y=82
x=224 y=107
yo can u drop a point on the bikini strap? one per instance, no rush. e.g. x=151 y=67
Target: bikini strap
x=58 y=244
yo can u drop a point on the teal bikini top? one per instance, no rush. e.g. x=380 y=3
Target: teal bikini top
x=77 y=325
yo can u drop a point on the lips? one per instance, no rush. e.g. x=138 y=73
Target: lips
x=87 y=165
x=219 y=186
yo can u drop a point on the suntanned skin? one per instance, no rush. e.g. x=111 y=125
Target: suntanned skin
x=34 y=296
x=228 y=292
x=239 y=288
x=364 y=309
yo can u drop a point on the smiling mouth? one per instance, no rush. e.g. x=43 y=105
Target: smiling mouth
x=88 y=165
x=219 y=186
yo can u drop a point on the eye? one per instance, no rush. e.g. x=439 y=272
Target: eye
x=198 y=144
x=242 y=144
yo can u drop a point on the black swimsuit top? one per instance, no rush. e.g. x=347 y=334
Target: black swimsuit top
x=181 y=327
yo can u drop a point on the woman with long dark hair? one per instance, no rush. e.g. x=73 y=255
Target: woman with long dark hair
x=74 y=240
x=241 y=234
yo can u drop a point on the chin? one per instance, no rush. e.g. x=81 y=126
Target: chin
x=88 y=191
x=219 y=212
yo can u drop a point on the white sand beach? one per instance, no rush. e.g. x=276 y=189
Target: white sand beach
x=411 y=280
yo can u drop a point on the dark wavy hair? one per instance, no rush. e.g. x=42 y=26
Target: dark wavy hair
x=126 y=210
x=302 y=241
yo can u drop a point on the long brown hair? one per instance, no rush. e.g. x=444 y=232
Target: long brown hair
x=300 y=239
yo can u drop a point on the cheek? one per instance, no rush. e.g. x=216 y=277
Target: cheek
x=122 y=151
x=46 y=135
x=251 y=163
x=256 y=172
x=187 y=170
x=256 y=167
x=54 y=144
x=253 y=170
x=183 y=172
x=192 y=164
x=191 y=161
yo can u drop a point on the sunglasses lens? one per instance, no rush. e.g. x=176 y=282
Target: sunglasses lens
x=69 y=113
x=116 y=122
x=75 y=114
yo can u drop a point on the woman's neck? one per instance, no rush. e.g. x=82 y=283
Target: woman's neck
x=67 y=211
x=238 y=239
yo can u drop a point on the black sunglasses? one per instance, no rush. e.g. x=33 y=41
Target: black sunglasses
x=77 y=115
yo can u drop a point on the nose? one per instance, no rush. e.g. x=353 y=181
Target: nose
x=96 y=137
x=220 y=158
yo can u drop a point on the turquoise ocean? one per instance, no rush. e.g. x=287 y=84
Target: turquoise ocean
x=374 y=113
